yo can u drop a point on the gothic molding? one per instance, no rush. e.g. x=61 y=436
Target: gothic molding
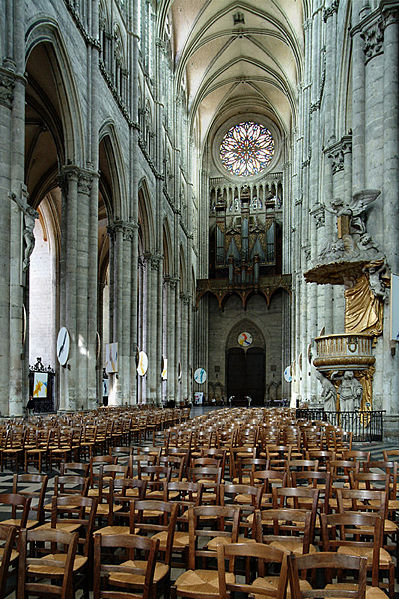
x=90 y=40
x=316 y=105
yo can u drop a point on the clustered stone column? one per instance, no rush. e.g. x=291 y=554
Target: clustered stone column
x=78 y=286
x=122 y=252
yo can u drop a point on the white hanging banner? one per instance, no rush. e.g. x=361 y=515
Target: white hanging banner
x=143 y=363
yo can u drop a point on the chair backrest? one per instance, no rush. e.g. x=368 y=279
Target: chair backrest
x=263 y=555
x=225 y=522
x=70 y=484
x=275 y=525
x=104 y=570
x=17 y=502
x=21 y=480
x=75 y=468
x=342 y=530
x=80 y=510
x=69 y=541
x=153 y=516
x=327 y=562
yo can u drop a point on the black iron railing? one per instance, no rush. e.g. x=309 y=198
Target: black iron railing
x=365 y=426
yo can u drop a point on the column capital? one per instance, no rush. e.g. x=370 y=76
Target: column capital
x=373 y=37
x=171 y=281
x=391 y=17
x=185 y=298
x=153 y=259
x=126 y=227
x=330 y=10
x=7 y=83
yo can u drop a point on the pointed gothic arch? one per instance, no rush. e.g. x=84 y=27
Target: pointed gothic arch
x=46 y=31
x=145 y=218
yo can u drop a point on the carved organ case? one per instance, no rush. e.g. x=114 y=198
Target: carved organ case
x=245 y=232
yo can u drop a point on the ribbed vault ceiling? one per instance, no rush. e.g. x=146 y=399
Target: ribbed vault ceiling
x=238 y=56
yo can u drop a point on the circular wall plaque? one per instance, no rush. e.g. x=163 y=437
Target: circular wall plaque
x=287 y=374
x=143 y=363
x=200 y=376
x=63 y=346
x=244 y=339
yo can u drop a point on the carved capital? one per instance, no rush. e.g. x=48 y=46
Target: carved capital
x=318 y=212
x=7 y=83
x=126 y=228
x=328 y=12
x=391 y=17
x=85 y=182
x=185 y=298
x=373 y=38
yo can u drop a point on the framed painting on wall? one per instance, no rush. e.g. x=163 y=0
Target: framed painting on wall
x=40 y=380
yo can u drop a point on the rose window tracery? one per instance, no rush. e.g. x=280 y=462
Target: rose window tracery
x=246 y=149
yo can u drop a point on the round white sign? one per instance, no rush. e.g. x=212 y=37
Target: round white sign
x=200 y=376
x=143 y=363
x=63 y=346
x=244 y=339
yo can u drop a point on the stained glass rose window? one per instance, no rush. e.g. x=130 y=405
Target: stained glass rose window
x=247 y=149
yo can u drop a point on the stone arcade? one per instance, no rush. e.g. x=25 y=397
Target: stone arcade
x=200 y=185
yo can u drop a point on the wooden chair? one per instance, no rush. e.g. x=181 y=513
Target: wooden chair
x=68 y=485
x=327 y=562
x=247 y=498
x=210 y=478
x=314 y=480
x=62 y=450
x=112 y=580
x=13 y=450
x=88 y=442
x=203 y=543
x=124 y=455
x=38 y=450
x=9 y=558
x=75 y=514
x=354 y=533
x=33 y=572
x=262 y=584
x=157 y=520
x=288 y=530
x=17 y=503
x=22 y=480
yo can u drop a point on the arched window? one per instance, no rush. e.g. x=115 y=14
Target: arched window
x=105 y=37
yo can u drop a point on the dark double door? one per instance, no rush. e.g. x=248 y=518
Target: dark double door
x=245 y=374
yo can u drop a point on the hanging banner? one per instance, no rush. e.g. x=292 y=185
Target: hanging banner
x=143 y=363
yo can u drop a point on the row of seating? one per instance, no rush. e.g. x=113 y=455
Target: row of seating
x=46 y=442
x=191 y=501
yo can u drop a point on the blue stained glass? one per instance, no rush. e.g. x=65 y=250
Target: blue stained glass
x=247 y=149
